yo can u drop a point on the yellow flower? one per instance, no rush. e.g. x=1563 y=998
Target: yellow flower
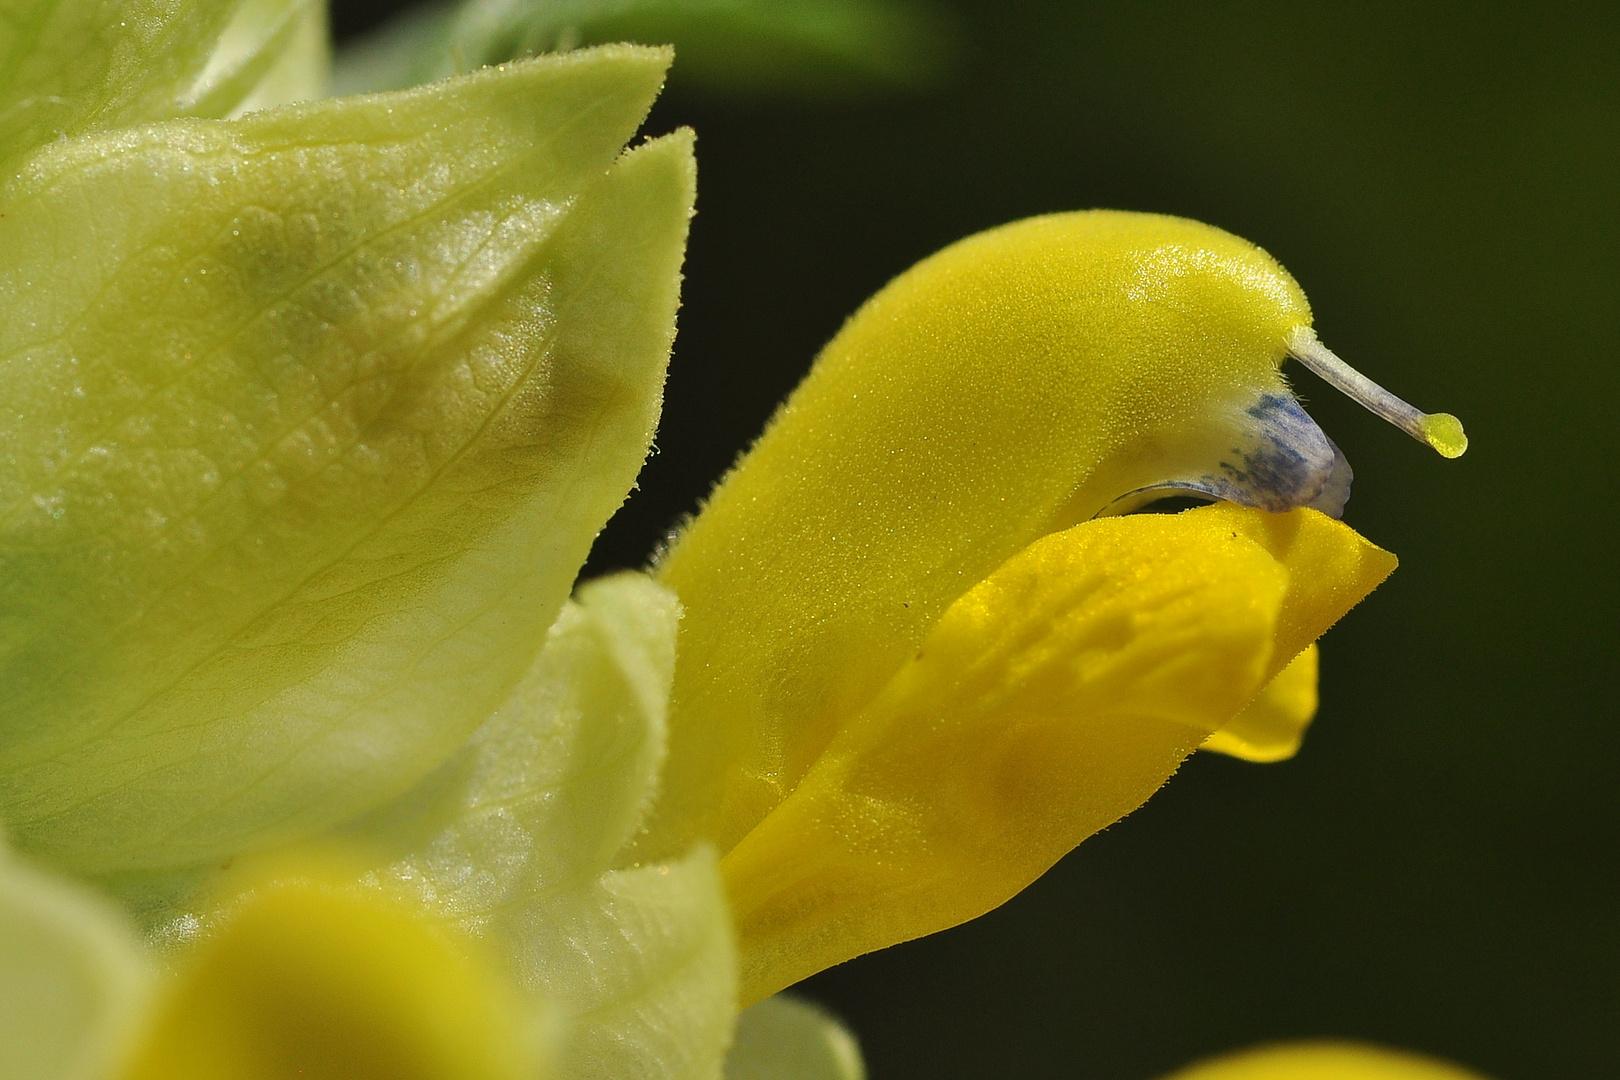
x=1323 y=1061
x=921 y=657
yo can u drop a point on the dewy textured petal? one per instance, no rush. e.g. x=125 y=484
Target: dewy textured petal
x=309 y=421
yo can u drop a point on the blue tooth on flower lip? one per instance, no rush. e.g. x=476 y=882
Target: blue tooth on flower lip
x=1283 y=461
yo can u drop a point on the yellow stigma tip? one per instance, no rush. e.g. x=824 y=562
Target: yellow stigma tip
x=1444 y=432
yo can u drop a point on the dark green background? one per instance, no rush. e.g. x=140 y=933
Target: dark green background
x=1435 y=869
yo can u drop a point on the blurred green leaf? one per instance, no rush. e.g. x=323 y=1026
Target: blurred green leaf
x=309 y=421
x=274 y=52
x=805 y=47
x=786 y=1038
x=72 y=982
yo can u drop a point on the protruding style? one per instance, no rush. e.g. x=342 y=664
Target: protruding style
x=1442 y=431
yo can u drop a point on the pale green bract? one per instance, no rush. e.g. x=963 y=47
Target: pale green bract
x=66 y=69
x=330 y=402
x=517 y=839
x=310 y=417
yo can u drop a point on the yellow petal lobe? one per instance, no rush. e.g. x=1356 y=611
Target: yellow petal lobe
x=1331 y=568
x=1323 y=1061
x=1048 y=701
x=1273 y=725
x=320 y=982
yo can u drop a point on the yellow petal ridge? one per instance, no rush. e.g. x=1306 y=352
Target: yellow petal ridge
x=1272 y=726
x=1323 y=1061
x=1048 y=701
x=310 y=978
